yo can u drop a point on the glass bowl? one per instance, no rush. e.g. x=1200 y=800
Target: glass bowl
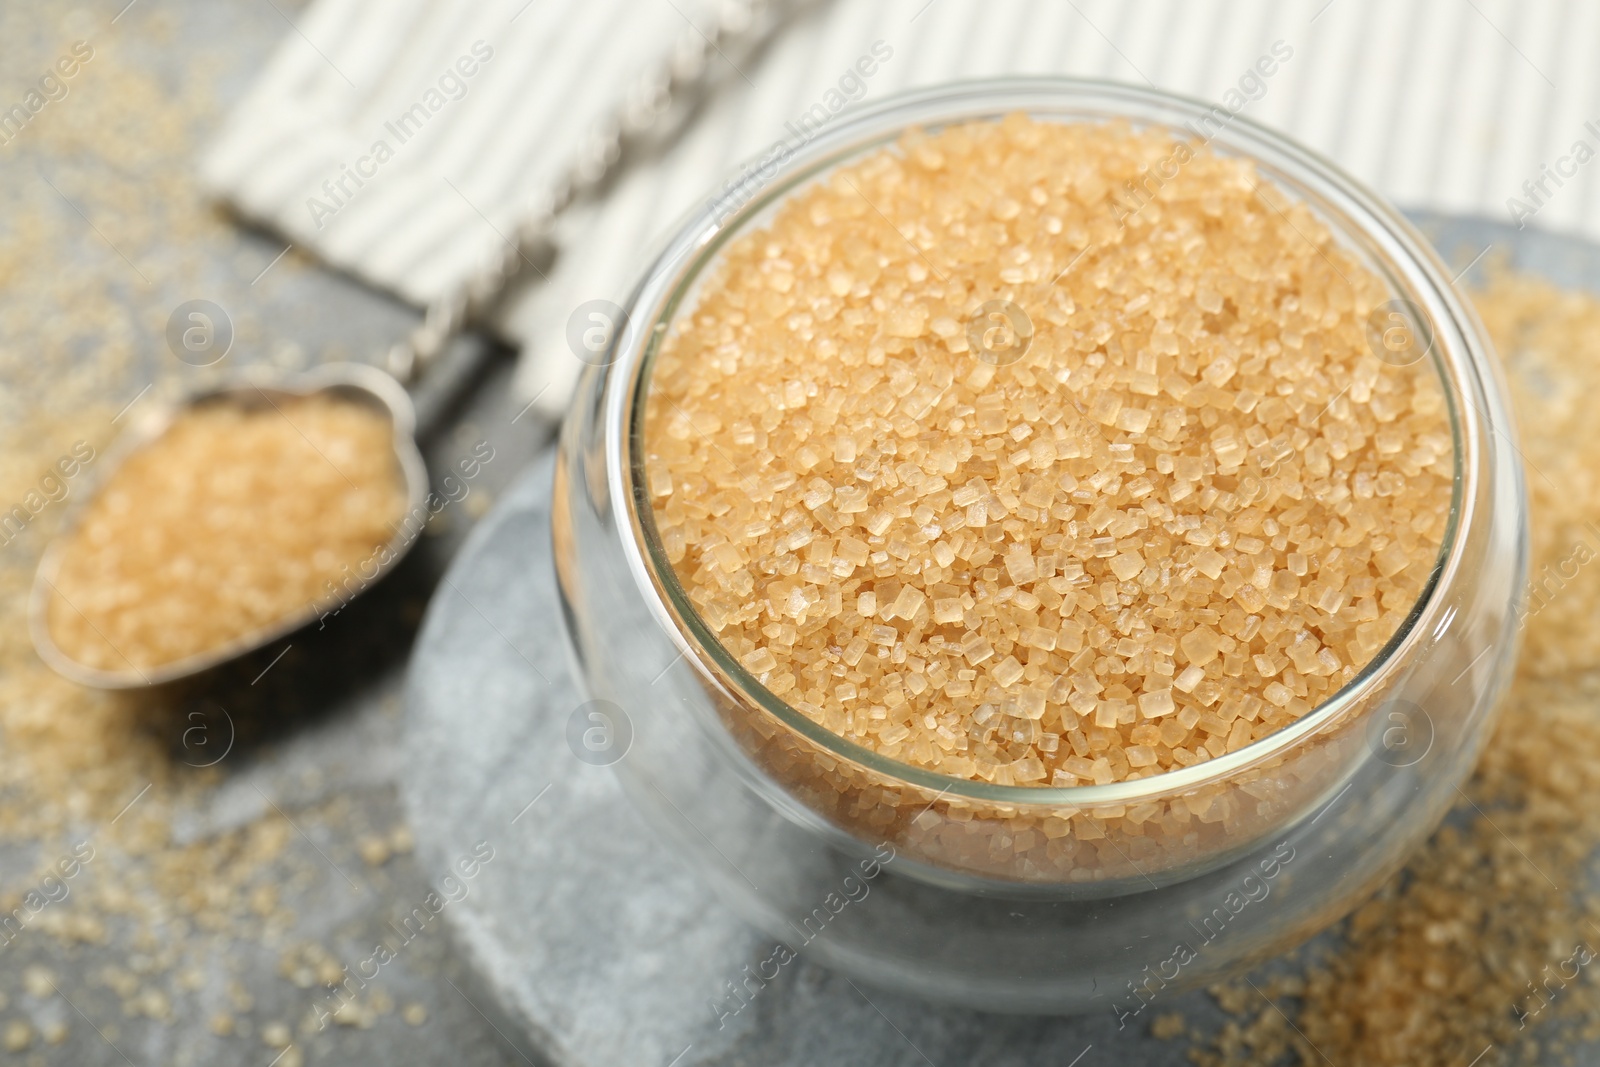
x=1023 y=898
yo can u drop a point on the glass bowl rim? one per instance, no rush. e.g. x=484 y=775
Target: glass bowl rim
x=1458 y=351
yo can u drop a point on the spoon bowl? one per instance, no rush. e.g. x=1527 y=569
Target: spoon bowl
x=355 y=382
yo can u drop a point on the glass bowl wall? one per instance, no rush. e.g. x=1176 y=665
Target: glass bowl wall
x=1025 y=898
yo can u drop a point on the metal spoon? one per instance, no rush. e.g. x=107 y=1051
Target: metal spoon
x=260 y=386
x=407 y=361
x=353 y=382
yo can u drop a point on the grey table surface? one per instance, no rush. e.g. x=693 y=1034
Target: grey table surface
x=320 y=736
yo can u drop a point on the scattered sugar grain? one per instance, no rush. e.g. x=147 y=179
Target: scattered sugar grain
x=38 y=982
x=401 y=841
x=18 y=1035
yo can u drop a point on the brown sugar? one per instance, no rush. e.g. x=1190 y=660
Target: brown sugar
x=233 y=519
x=1191 y=511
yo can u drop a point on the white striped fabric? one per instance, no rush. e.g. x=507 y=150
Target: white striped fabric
x=403 y=140
x=1448 y=104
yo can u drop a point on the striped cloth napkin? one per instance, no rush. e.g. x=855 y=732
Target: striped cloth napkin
x=1485 y=107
